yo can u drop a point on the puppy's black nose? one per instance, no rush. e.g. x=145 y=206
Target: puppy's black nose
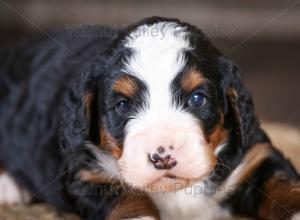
x=159 y=162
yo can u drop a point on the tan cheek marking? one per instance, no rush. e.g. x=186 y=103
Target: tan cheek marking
x=109 y=143
x=133 y=205
x=125 y=86
x=92 y=177
x=192 y=80
x=212 y=158
x=218 y=136
x=254 y=157
x=283 y=200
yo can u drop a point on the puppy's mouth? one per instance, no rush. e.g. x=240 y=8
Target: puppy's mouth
x=170 y=176
x=169 y=183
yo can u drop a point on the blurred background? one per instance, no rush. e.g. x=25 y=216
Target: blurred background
x=262 y=37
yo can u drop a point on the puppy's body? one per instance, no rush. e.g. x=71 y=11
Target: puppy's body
x=34 y=78
x=166 y=114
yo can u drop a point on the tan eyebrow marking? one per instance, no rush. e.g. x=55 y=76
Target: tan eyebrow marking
x=126 y=86
x=192 y=80
x=219 y=135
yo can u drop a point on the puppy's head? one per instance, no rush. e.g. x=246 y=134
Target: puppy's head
x=160 y=103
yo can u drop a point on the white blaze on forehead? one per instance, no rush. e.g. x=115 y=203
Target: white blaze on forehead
x=157 y=59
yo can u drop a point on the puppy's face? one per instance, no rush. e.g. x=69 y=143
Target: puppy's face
x=163 y=118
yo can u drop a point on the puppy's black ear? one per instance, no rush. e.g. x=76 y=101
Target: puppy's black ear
x=239 y=105
x=79 y=111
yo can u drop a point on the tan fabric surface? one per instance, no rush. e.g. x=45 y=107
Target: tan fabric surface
x=286 y=139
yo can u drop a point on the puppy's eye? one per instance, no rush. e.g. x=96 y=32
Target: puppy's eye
x=123 y=107
x=196 y=99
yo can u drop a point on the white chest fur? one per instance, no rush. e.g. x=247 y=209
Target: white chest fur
x=188 y=204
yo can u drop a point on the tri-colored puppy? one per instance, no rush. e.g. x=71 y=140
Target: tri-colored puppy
x=158 y=125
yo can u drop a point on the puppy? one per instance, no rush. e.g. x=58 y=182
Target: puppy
x=152 y=122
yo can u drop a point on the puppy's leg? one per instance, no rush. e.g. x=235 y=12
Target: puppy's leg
x=134 y=207
x=97 y=198
x=282 y=200
x=10 y=192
